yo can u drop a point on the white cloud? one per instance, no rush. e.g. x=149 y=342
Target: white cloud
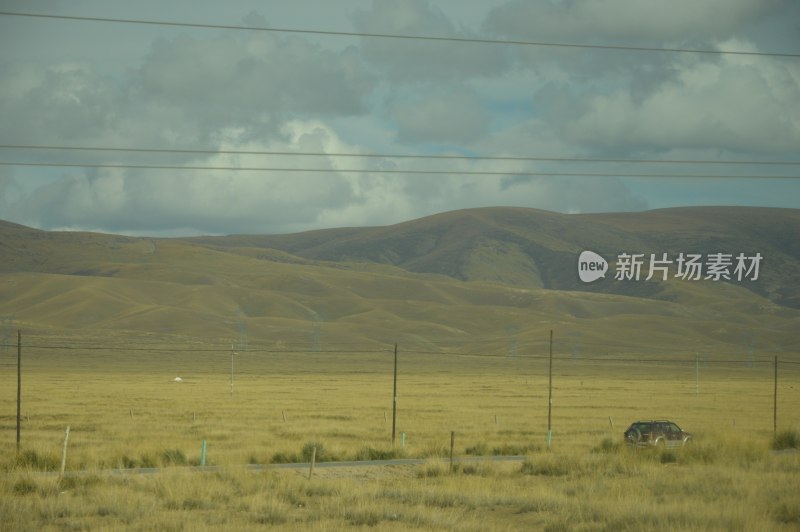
x=255 y=74
x=725 y=106
x=149 y=202
x=242 y=90
x=447 y=115
x=408 y=61
x=626 y=21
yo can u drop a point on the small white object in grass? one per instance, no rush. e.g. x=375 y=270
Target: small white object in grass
x=178 y=379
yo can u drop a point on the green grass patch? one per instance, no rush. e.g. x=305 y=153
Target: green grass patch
x=173 y=457
x=786 y=439
x=370 y=453
x=37 y=461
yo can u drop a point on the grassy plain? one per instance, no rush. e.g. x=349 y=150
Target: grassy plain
x=125 y=411
x=108 y=323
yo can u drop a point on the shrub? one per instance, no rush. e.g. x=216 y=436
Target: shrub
x=126 y=462
x=366 y=517
x=370 y=453
x=668 y=457
x=432 y=470
x=479 y=449
x=550 y=466
x=435 y=451
x=308 y=451
x=148 y=460
x=304 y=455
x=516 y=450
x=25 y=486
x=608 y=446
x=41 y=462
x=786 y=439
x=173 y=457
x=703 y=453
x=79 y=482
x=787 y=513
x=285 y=458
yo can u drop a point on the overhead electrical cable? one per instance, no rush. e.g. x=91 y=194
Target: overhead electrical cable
x=434 y=38
x=570 y=159
x=388 y=171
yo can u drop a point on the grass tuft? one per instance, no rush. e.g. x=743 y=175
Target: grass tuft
x=609 y=446
x=551 y=465
x=786 y=439
x=668 y=457
x=24 y=486
x=173 y=457
x=31 y=459
x=516 y=450
x=308 y=452
x=370 y=453
x=432 y=469
x=479 y=449
x=787 y=513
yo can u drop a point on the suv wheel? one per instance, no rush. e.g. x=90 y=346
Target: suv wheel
x=634 y=436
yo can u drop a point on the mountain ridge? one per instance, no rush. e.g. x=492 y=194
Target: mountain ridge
x=479 y=279
x=538 y=248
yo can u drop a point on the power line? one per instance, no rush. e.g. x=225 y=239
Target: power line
x=379 y=351
x=221 y=349
x=397 y=36
x=389 y=171
x=395 y=155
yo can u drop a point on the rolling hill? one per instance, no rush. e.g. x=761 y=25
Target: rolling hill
x=534 y=248
x=473 y=280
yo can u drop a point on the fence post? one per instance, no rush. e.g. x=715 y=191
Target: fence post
x=452 y=446
x=64 y=452
x=203 y=453
x=313 y=460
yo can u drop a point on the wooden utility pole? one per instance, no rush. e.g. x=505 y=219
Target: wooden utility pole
x=550 y=395
x=19 y=383
x=696 y=374
x=394 y=397
x=775 y=402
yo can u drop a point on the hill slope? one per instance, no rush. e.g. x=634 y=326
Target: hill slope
x=473 y=281
x=533 y=248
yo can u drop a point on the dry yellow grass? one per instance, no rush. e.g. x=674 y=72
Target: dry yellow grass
x=124 y=410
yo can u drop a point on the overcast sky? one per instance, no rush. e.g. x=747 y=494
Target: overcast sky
x=100 y=84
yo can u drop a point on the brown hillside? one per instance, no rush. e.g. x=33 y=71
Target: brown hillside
x=534 y=248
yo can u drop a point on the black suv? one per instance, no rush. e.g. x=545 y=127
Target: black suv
x=660 y=434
